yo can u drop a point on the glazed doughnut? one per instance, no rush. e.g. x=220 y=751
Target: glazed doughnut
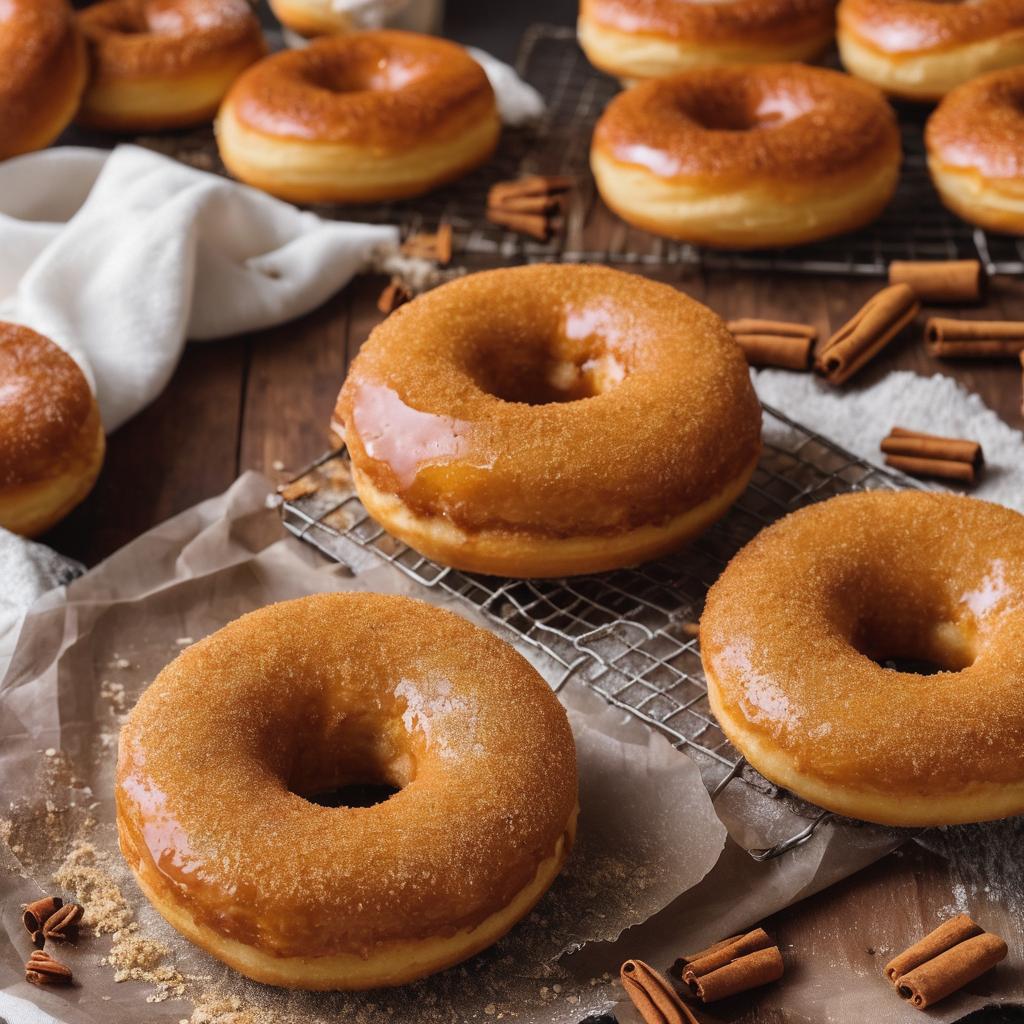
x=748 y=157
x=301 y=698
x=43 y=71
x=549 y=420
x=796 y=630
x=359 y=118
x=51 y=438
x=634 y=39
x=920 y=49
x=164 y=63
x=312 y=17
x=975 y=142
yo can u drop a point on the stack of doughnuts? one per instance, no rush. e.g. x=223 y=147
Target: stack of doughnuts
x=634 y=39
x=920 y=49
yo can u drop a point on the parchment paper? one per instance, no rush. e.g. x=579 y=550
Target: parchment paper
x=653 y=873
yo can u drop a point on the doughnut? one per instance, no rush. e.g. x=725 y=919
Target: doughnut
x=975 y=143
x=549 y=420
x=797 y=631
x=312 y=17
x=51 y=438
x=43 y=71
x=920 y=49
x=748 y=157
x=221 y=756
x=164 y=63
x=359 y=118
x=635 y=39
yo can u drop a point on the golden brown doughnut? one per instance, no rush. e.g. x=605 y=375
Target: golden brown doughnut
x=312 y=17
x=975 y=142
x=549 y=420
x=301 y=698
x=42 y=73
x=748 y=157
x=164 y=63
x=796 y=629
x=51 y=438
x=634 y=39
x=359 y=118
x=920 y=49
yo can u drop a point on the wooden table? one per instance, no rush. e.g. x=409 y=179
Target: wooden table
x=263 y=402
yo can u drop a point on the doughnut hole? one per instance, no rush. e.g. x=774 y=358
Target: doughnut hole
x=341 y=77
x=583 y=358
x=744 y=107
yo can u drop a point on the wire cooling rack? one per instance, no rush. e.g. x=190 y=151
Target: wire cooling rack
x=915 y=225
x=628 y=634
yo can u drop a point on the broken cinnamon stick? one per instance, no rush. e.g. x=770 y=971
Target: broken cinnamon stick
x=940 y=280
x=982 y=339
x=951 y=970
x=654 y=998
x=535 y=225
x=35 y=914
x=723 y=953
x=436 y=246
x=859 y=340
x=545 y=185
x=950 y=933
x=774 y=343
x=731 y=966
x=394 y=295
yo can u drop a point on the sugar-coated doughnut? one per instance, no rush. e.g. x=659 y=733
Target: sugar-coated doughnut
x=220 y=754
x=359 y=118
x=920 y=49
x=164 y=63
x=51 y=439
x=975 y=142
x=634 y=39
x=748 y=157
x=796 y=631
x=312 y=17
x=549 y=420
x=43 y=71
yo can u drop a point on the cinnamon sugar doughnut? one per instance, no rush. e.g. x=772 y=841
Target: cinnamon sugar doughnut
x=300 y=698
x=51 y=439
x=634 y=39
x=795 y=633
x=920 y=49
x=359 y=118
x=549 y=420
x=164 y=63
x=42 y=73
x=975 y=142
x=748 y=157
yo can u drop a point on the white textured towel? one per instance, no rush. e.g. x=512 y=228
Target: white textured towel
x=119 y=257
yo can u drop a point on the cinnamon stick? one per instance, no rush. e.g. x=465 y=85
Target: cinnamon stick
x=982 y=339
x=774 y=343
x=931 y=446
x=858 y=341
x=529 y=205
x=758 y=968
x=950 y=933
x=942 y=469
x=35 y=914
x=723 y=953
x=530 y=185
x=436 y=246
x=654 y=998
x=940 y=280
x=394 y=295
x=536 y=225
x=949 y=971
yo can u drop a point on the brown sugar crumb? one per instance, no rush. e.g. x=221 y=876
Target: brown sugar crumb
x=84 y=873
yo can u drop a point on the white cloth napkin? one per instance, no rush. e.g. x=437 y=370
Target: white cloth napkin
x=119 y=257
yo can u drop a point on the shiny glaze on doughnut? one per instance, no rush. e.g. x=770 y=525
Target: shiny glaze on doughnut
x=914 y=26
x=980 y=125
x=389 y=91
x=42 y=72
x=308 y=695
x=558 y=401
x=143 y=39
x=793 y=632
x=780 y=122
x=45 y=402
x=771 y=20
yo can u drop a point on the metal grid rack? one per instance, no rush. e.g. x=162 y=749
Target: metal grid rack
x=629 y=633
x=915 y=225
